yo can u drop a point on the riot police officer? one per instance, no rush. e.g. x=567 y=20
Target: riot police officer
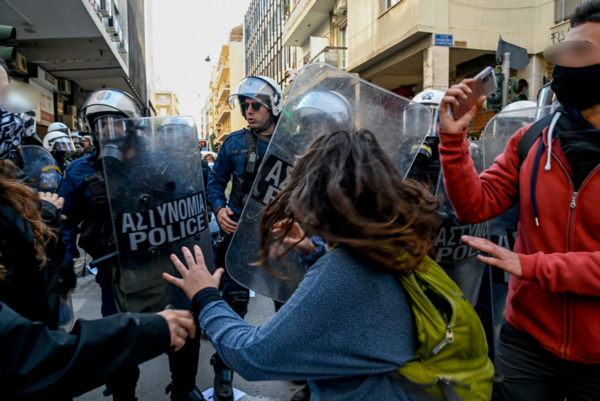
x=87 y=203
x=260 y=101
x=59 y=143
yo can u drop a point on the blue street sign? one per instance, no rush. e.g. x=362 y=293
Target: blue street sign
x=444 y=40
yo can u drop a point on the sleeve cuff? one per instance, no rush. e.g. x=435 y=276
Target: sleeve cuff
x=528 y=263
x=203 y=298
x=452 y=139
x=320 y=250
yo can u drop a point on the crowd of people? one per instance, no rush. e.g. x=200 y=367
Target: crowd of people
x=371 y=300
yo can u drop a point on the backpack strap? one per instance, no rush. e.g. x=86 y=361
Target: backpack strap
x=417 y=390
x=529 y=137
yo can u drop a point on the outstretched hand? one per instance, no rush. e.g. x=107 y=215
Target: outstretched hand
x=502 y=258
x=196 y=276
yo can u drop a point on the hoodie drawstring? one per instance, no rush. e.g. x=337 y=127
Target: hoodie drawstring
x=550 y=135
x=536 y=165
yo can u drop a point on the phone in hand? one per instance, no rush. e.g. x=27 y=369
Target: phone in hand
x=484 y=84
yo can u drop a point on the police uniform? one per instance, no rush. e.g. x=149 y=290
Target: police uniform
x=235 y=163
x=86 y=202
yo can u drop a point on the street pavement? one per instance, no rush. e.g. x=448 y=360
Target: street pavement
x=155 y=375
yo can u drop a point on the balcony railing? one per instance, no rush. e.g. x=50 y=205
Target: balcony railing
x=564 y=8
x=222 y=89
x=336 y=56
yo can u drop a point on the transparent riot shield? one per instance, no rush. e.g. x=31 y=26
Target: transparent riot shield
x=323 y=99
x=39 y=165
x=503 y=229
x=454 y=256
x=153 y=173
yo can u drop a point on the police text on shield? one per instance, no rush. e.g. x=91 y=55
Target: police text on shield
x=170 y=222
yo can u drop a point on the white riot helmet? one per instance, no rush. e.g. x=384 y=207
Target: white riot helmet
x=89 y=138
x=175 y=124
x=429 y=97
x=323 y=111
x=59 y=127
x=107 y=103
x=77 y=139
x=524 y=104
x=58 y=141
x=260 y=88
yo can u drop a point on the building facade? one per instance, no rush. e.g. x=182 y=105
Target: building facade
x=225 y=77
x=166 y=103
x=408 y=46
x=68 y=48
x=316 y=31
x=265 y=52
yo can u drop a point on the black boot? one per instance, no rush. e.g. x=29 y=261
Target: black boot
x=223 y=379
x=178 y=395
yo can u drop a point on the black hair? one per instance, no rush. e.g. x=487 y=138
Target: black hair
x=4 y=65
x=587 y=12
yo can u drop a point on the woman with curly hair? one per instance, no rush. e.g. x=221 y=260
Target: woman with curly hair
x=350 y=322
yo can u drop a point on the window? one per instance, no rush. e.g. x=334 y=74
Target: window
x=564 y=8
x=387 y=4
x=162 y=100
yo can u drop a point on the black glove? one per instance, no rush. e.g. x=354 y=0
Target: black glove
x=66 y=277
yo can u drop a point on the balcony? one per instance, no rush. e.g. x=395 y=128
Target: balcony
x=223 y=113
x=223 y=93
x=304 y=17
x=222 y=72
x=223 y=130
x=335 y=56
x=69 y=41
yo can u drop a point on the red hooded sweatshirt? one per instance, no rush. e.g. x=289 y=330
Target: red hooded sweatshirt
x=557 y=300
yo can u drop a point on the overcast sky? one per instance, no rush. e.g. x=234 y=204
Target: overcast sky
x=185 y=32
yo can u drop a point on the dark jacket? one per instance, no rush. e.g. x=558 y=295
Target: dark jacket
x=231 y=161
x=28 y=288
x=37 y=363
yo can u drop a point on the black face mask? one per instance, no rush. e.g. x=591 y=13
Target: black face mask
x=577 y=87
x=59 y=155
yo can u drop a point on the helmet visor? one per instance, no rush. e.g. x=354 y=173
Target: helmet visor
x=254 y=88
x=110 y=128
x=63 y=143
x=108 y=101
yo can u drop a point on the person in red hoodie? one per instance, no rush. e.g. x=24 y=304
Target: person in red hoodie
x=549 y=346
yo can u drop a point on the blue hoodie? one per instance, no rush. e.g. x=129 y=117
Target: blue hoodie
x=343 y=330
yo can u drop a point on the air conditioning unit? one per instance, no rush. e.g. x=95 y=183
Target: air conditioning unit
x=118 y=36
x=19 y=65
x=111 y=24
x=104 y=8
x=122 y=46
x=64 y=87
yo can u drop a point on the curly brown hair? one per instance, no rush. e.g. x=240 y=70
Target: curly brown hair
x=347 y=190
x=26 y=202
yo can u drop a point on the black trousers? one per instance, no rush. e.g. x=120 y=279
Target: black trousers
x=528 y=372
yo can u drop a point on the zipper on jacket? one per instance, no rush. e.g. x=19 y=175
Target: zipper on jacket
x=449 y=340
x=569 y=248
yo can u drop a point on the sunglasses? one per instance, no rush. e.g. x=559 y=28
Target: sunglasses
x=255 y=106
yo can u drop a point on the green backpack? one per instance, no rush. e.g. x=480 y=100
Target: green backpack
x=452 y=361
